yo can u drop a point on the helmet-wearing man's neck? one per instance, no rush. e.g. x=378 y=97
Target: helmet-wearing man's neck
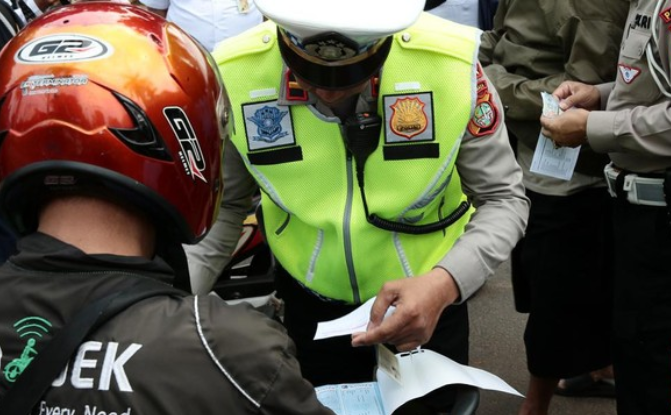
x=98 y=226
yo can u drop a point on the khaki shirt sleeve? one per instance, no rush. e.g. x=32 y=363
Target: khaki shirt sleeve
x=492 y=180
x=208 y=258
x=642 y=130
x=604 y=92
x=582 y=40
x=641 y=121
x=490 y=38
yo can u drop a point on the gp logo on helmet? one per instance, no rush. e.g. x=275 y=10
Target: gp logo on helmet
x=191 y=155
x=63 y=48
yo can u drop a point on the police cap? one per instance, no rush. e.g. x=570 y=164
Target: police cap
x=338 y=44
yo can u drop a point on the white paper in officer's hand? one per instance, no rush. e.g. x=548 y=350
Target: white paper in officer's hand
x=354 y=322
x=549 y=160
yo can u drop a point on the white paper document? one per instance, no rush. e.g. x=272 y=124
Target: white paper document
x=400 y=377
x=354 y=322
x=352 y=398
x=421 y=372
x=548 y=160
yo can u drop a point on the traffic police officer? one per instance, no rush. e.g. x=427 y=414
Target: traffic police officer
x=630 y=120
x=385 y=170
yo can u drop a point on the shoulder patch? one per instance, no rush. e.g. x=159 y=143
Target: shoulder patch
x=628 y=73
x=486 y=114
x=666 y=15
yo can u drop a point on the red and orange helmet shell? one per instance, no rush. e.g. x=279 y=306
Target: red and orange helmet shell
x=117 y=89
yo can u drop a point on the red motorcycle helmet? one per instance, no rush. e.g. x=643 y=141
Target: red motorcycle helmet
x=109 y=99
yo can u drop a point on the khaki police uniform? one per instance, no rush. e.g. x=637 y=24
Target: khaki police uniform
x=534 y=46
x=571 y=35
x=633 y=129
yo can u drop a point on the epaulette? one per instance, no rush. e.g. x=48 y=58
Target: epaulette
x=260 y=38
x=434 y=34
x=375 y=86
x=293 y=91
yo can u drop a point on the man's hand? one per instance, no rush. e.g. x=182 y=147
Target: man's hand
x=419 y=302
x=568 y=129
x=575 y=94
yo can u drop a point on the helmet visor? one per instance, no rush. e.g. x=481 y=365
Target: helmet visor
x=322 y=71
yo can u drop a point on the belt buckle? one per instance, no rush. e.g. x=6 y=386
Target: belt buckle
x=610 y=173
x=629 y=187
x=667 y=195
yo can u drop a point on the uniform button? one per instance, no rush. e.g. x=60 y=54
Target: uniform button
x=406 y=37
x=266 y=38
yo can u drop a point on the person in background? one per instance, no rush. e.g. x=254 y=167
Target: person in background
x=476 y=13
x=14 y=19
x=629 y=120
x=535 y=46
x=370 y=160
x=111 y=153
x=209 y=21
x=27 y=10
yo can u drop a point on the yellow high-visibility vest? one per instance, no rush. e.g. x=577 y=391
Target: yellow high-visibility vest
x=313 y=212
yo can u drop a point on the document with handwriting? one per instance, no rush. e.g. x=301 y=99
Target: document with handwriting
x=420 y=372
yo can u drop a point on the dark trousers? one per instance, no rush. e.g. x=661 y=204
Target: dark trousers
x=562 y=276
x=642 y=317
x=334 y=360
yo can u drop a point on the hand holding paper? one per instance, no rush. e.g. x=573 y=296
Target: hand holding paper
x=354 y=322
x=549 y=159
x=419 y=303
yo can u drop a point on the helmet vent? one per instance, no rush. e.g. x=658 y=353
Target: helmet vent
x=144 y=138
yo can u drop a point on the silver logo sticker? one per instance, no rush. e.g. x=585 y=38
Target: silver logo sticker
x=64 y=47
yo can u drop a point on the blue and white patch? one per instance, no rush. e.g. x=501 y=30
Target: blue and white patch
x=408 y=118
x=268 y=125
x=628 y=73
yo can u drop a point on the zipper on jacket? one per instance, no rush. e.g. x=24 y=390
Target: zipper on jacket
x=283 y=225
x=347 y=233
